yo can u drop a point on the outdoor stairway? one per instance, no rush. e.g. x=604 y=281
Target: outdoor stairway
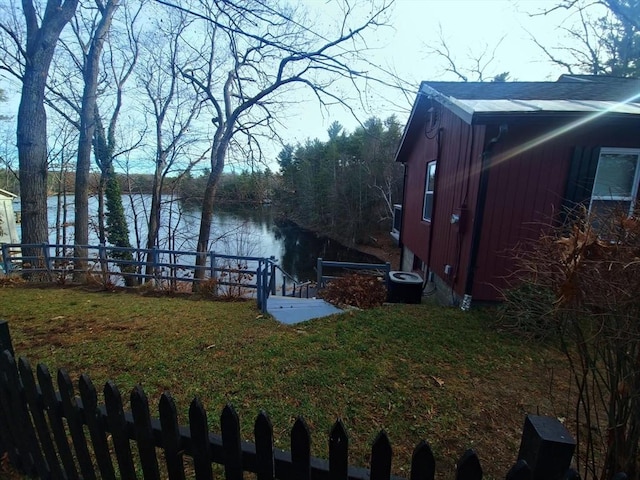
x=292 y=310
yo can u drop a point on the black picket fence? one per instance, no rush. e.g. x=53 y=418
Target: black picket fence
x=55 y=434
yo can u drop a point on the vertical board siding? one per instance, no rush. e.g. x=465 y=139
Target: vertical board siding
x=528 y=190
x=530 y=178
x=457 y=176
x=49 y=454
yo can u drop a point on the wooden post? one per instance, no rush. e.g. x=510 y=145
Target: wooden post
x=5 y=338
x=546 y=446
x=265 y=287
x=102 y=255
x=46 y=256
x=259 y=292
x=6 y=260
x=272 y=262
x=156 y=261
x=212 y=266
x=319 y=270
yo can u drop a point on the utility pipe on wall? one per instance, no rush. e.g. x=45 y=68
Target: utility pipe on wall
x=479 y=216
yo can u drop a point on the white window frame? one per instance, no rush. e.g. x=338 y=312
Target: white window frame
x=634 y=188
x=428 y=192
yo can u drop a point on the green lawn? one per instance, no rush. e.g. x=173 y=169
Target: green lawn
x=416 y=371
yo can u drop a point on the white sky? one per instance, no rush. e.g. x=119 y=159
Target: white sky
x=468 y=26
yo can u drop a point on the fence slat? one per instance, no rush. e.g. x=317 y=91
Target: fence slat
x=263 y=435
x=231 y=443
x=30 y=454
x=5 y=337
x=381 y=457
x=9 y=430
x=469 y=467
x=171 y=437
x=520 y=471
x=423 y=465
x=200 y=441
x=18 y=443
x=144 y=433
x=338 y=452
x=74 y=420
x=93 y=419
x=31 y=393
x=118 y=428
x=300 y=450
x=55 y=421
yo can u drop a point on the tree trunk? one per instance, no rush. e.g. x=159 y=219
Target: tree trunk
x=32 y=155
x=218 y=155
x=87 y=129
x=32 y=119
x=154 y=216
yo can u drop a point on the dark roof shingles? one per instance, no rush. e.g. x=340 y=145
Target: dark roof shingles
x=607 y=89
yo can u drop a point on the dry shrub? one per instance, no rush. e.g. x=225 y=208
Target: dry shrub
x=208 y=288
x=581 y=280
x=11 y=280
x=362 y=291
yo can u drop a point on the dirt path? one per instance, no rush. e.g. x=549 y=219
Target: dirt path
x=383 y=248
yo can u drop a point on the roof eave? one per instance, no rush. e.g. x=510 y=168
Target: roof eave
x=410 y=128
x=482 y=118
x=8 y=193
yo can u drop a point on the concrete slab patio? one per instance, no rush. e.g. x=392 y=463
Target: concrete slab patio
x=292 y=310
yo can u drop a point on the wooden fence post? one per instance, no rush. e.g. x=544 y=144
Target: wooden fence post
x=265 y=286
x=272 y=279
x=156 y=261
x=47 y=259
x=102 y=255
x=546 y=446
x=6 y=260
x=259 y=292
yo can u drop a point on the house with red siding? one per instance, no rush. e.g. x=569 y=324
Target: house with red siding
x=490 y=165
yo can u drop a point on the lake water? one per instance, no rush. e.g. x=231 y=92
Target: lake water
x=251 y=231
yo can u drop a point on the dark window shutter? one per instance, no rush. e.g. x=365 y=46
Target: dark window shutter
x=582 y=174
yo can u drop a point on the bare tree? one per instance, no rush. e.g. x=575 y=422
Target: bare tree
x=33 y=54
x=120 y=59
x=92 y=54
x=172 y=105
x=248 y=66
x=474 y=67
x=602 y=37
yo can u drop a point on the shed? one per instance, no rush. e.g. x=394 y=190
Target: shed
x=8 y=227
x=488 y=165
